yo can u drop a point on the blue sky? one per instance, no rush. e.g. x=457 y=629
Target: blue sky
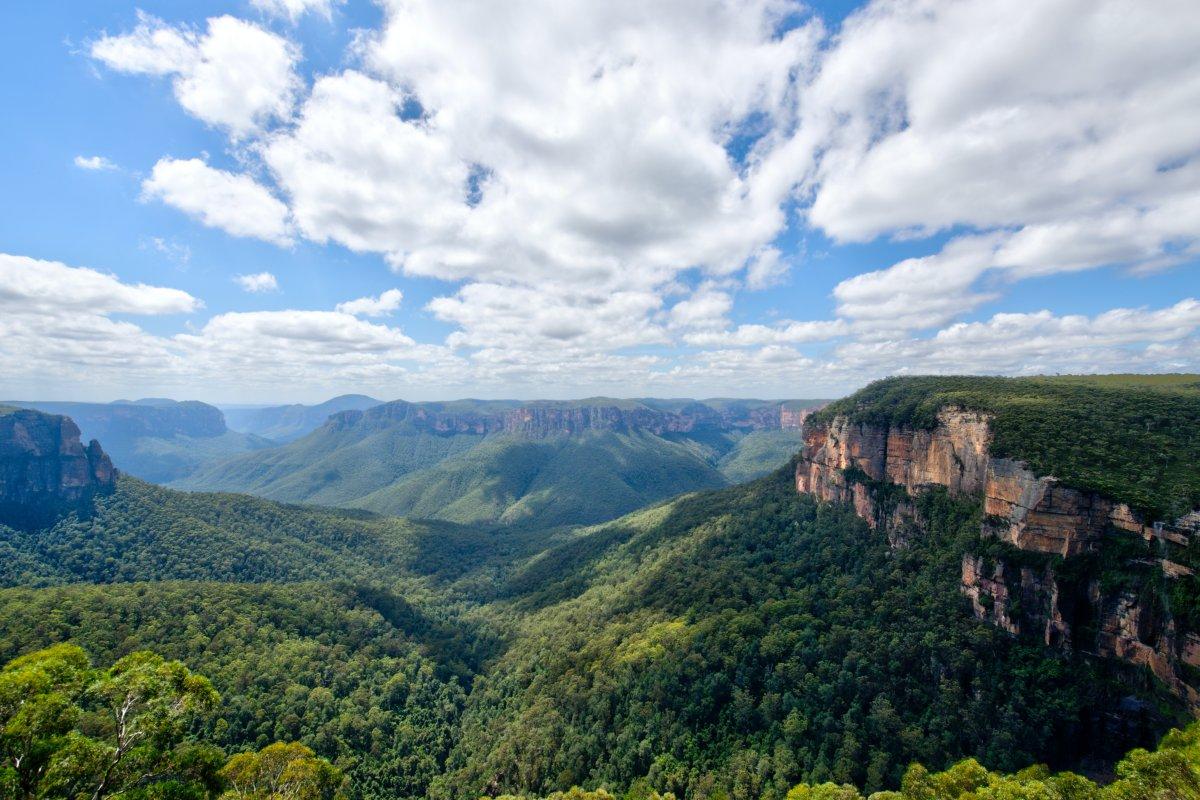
x=707 y=199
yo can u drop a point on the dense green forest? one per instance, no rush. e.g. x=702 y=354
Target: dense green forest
x=742 y=643
x=144 y=532
x=141 y=729
x=726 y=644
x=70 y=730
x=1135 y=438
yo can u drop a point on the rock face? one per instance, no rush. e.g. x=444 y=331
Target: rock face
x=544 y=419
x=45 y=470
x=867 y=466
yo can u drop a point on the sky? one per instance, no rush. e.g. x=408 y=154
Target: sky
x=283 y=200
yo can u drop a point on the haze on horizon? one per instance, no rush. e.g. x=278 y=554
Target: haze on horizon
x=273 y=201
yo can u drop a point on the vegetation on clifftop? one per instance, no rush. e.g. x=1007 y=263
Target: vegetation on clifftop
x=1134 y=438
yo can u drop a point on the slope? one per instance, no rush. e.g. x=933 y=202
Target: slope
x=542 y=463
x=562 y=480
x=733 y=643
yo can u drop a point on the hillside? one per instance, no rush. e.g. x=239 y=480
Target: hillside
x=289 y=422
x=155 y=439
x=143 y=532
x=726 y=643
x=538 y=464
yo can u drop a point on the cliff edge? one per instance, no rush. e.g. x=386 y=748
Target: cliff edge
x=1072 y=567
x=45 y=470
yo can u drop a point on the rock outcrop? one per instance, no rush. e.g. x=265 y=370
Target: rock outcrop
x=544 y=419
x=45 y=470
x=880 y=469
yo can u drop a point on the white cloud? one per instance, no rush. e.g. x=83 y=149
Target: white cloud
x=922 y=292
x=32 y=286
x=706 y=309
x=573 y=173
x=56 y=325
x=386 y=303
x=754 y=335
x=94 y=163
x=1068 y=124
x=294 y=9
x=234 y=203
x=1122 y=339
x=527 y=324
x=257 y=282
x=357 y=174
x=767 y=267
x=236 y=76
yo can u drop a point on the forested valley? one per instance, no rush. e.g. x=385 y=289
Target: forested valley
x=750 y=642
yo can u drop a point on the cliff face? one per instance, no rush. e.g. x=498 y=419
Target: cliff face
x=541 y=420
x=45 y=470
x=879 y=469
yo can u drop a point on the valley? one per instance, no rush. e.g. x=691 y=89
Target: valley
x=535 y=464
x=939 y=569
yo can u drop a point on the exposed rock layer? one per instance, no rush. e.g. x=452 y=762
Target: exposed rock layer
x=539 y=420
x=861 y=464
x=45 y=470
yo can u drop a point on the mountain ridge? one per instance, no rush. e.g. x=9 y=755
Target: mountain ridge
x=505 y=461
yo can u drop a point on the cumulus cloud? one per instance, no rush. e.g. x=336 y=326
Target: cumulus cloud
x=235 y=76
x=512 y=323
x=1122 y=339
x=387 y=302
x=32 y=286
x=236 y=204
x=754 y=335
x=571 y=175
x=921 y=292
x=94 y=163
x=294 y=9
x=705 y=309
x=56 y=323
x=257 y=282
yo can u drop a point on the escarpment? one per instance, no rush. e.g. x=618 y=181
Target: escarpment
x=45 y=470
x=1070 y=568
x=545 y=419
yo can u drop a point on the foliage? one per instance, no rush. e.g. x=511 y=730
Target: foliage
x=1135 y=439
x=145 y=532
x=281 y=772
x=308 y=663
x=732 y=643
x=726 y=644
x=70 y=731
x=1171 y=771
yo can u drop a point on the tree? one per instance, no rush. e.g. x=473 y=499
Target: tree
x=281 y=772
x=69 y=732
x=38 y=708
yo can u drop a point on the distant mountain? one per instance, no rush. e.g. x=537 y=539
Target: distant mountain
x=286 y=423
x=155 y=439
x=537 y=463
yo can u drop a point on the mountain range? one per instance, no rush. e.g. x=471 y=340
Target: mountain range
x=946 y=568
x=285 y=423
x=539 y=463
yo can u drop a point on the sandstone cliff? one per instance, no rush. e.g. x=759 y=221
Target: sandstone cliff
x=44 y=468
x=880 y=469
x=544 y=419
